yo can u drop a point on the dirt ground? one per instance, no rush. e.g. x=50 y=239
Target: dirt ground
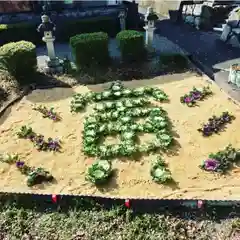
x=132 y=177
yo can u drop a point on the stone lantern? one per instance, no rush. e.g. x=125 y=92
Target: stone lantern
x=150 y=19
x=122 y=17
x=47 y=28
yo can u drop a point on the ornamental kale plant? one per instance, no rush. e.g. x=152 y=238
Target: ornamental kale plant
x=48 y=113
x=38 y=140
x=195 y=95
x=99 y=172
x=159 y=171
x=115 y=92
x=216 y=124
x=97 y=125
x=34 y=175
x=221 y=161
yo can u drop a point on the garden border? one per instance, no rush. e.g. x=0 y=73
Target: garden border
x=139 y=205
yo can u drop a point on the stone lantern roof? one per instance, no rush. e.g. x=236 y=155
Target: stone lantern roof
x=150 y=15
x=46 y=25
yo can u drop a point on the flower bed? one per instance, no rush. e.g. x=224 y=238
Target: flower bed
x=34 y=175
x=195 y=95
x=48 y=113
x=38 y=140
x=129 y=127
x=216 y=124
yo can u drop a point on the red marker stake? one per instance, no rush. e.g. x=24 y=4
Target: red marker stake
x=200 y=203
x=127 y=203
x=54 y=198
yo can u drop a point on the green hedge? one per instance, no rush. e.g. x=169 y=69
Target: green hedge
x=90 y=49
x=19 y=31
x=109 y=25
x=65 y=30
x=131 y=44
x=19 y=59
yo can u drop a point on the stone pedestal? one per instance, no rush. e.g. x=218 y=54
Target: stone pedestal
x=149 y=35
x=122 y=18
x=53 y=63
x=122 y=23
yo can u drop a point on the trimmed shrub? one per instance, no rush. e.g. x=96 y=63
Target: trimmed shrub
x=19 y=59
x=18 y=32
x=90 y=49
x=131 y=44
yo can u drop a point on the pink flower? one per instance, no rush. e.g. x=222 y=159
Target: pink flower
x=188 y=99
x=211 y=164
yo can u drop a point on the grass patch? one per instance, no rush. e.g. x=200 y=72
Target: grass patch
x=96 y=223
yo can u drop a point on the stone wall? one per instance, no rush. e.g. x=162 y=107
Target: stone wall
x=160 y=6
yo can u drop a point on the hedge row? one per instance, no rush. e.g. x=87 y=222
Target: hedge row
x=65 y=30
x=92 y=48
x=19 y=59
x=131 y=44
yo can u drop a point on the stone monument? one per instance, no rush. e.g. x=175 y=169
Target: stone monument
x=122 y=17
x=231 y=30
x=47 y=28
x=234 y=75
x=150 y=19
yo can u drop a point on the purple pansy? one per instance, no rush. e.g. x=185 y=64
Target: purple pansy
x=19 y=164
x=211 y=164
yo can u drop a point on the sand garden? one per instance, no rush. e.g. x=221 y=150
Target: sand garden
x=142 y=142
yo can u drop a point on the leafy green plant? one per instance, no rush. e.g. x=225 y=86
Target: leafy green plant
x=9 y=158
x=221 y=161
x=159 y=171
x=115 y=92
x=99 y=172
x=97 y=125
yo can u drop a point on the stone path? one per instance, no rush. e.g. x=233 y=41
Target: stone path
x=211 y=55
x=161 y=44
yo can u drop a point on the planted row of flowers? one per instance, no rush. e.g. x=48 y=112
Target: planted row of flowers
x=196 y=95
x=48 y=113
x=216 y=124
x=34 y=175
x=38 y=140
x=115 y=92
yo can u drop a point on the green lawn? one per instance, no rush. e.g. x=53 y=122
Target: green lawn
x=96 y=223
